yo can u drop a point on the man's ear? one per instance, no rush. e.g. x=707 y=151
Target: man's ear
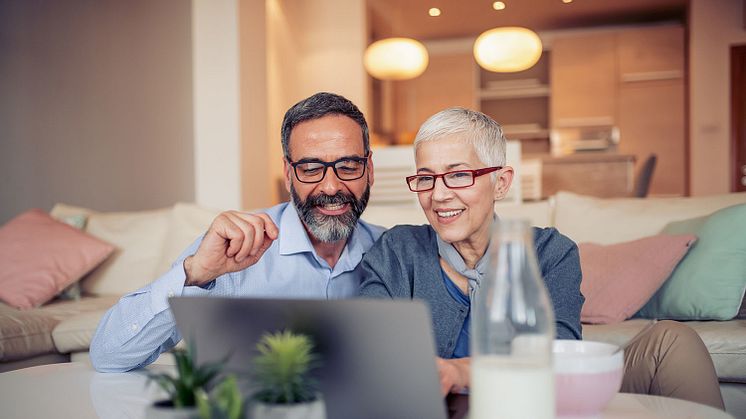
x=370 y=168
x=504 y=180
x=288 y=172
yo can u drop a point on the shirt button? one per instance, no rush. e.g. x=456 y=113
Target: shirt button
x=170 y=294
x=133 y=327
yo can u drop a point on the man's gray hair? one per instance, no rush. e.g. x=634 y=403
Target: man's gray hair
x=476 y=128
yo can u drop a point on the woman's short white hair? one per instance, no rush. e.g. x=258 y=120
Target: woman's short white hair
x=476 y=128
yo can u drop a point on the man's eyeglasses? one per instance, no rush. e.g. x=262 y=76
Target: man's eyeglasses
x=313 y=171
x=452 y=180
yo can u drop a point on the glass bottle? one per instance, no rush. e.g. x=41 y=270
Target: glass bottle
x=512 y=331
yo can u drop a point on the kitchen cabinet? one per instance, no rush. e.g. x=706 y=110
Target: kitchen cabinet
x=448 y=81
x=519 y=102
x=583 y=80
x=652 y=103
x=605 y=175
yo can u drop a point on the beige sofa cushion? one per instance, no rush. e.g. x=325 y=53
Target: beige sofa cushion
x=538 y=214
x=607 y=221
x=726 y=342
x=26 y=333
x=187 y=223
x=139 y=237
x=75 y=333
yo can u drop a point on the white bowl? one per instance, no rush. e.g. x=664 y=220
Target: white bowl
x=587 y=376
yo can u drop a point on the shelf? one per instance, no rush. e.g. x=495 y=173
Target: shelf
x=517 y=92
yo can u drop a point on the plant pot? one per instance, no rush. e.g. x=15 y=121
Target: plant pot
x=310 y=410
x=164 y=409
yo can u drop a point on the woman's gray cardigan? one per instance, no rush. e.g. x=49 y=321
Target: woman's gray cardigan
x=404 y=263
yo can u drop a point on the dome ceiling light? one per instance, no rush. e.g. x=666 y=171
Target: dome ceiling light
x=507 y=49
x=395 y=59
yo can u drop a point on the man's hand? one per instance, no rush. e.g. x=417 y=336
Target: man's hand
x=234 y=241
x=454 y=374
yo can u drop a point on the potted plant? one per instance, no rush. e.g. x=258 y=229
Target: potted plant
x=183 y=388
x=283 y=374
x=224 y=402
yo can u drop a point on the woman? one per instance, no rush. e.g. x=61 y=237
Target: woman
x=461 y=172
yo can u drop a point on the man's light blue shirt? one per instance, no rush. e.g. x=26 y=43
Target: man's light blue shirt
x=140 y=326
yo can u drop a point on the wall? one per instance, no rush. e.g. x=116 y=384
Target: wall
x=715 y=25
x=312 y=46
x=96 y=104
x=256 y=186
x=217 y=138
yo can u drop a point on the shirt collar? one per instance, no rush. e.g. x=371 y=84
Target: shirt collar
x=293 y=238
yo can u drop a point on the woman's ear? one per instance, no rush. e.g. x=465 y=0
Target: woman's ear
x=504 y=180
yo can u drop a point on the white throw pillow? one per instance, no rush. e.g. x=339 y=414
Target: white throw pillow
x=138 y=237
x=537 y=213
x=608 y=221
x=187 y=223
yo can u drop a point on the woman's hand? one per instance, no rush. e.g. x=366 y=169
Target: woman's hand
x=454 y=374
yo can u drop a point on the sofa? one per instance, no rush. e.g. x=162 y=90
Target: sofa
x=147 y=242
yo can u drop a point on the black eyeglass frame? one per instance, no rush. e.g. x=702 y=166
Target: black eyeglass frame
x=332 y=164
x=474 y=175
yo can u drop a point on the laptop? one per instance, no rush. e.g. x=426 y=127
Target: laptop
x=377 y=356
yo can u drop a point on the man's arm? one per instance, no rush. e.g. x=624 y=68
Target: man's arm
x=141 y=326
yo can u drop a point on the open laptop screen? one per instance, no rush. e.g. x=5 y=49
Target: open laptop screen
x=377 y=356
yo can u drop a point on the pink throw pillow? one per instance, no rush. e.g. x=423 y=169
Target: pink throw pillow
x=619 y=279
x=40 y=256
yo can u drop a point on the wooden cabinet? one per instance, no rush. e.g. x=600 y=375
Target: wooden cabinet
x=632 y=79
x=448 y=81
x=583 y=80
x=655 y=53
x=595 y=174
x=519 y=102
x=652 y=103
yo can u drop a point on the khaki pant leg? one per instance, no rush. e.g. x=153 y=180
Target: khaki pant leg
x=671 y=360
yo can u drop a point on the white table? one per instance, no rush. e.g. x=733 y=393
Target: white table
x=74 y=390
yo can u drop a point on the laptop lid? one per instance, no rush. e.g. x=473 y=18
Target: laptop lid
x=377 y=356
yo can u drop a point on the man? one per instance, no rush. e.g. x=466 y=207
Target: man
x=308 y=248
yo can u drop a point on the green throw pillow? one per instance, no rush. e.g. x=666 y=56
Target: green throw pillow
x=710 y=282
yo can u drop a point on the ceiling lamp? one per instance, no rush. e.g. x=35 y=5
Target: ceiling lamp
x=395 y=59
x=507 y=49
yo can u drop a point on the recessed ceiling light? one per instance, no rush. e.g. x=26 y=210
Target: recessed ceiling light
x=566 y=1
x=498 y=5
x=434 y=12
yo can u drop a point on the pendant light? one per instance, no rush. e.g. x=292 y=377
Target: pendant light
x=396 y=59
x=507 y=49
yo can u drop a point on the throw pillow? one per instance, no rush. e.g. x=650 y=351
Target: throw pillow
x=618 y=279
x=742 y=310
x=138 y=237
x=188 y=222
x=73 y=291
x=40 y=256
x=616 y=220
x=709 y=284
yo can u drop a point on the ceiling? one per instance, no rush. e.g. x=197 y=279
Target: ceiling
x=464 y=18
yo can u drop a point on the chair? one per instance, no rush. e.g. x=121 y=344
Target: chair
x=643 y=178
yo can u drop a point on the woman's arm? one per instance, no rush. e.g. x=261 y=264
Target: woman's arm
x=454 y=374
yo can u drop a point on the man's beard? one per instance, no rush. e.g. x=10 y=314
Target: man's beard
x=330 y=228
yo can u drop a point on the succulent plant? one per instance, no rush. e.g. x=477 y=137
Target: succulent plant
x=224 y=402
x=189 y=378
x=283 y=368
